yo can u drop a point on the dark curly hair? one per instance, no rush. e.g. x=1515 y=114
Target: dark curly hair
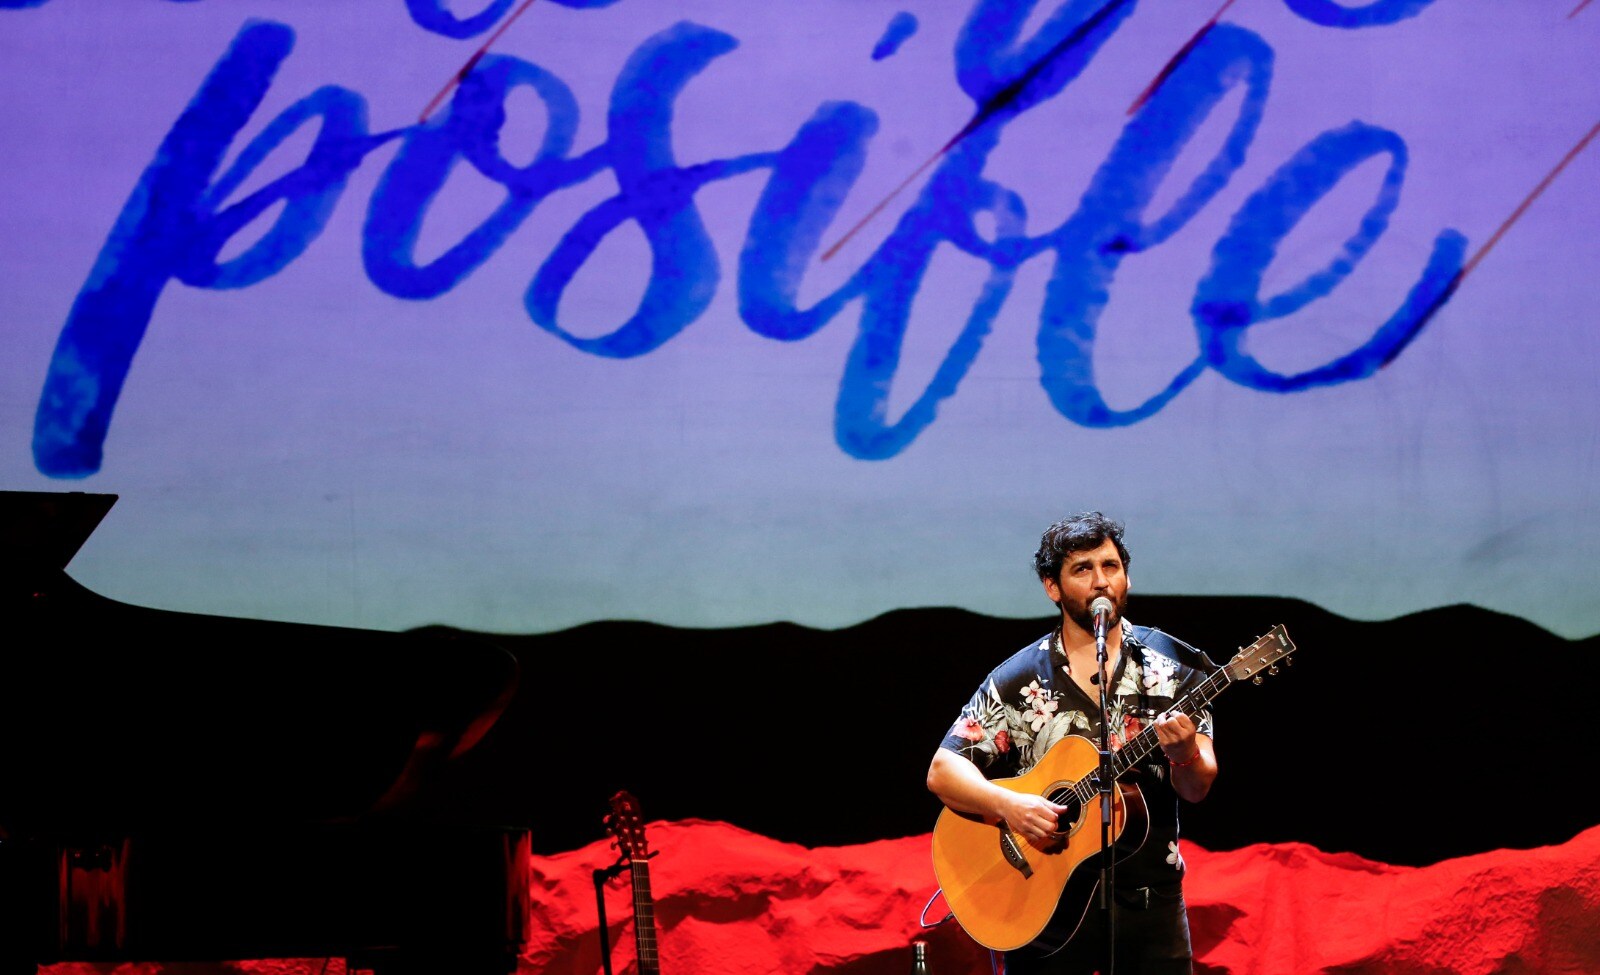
x=1080 y=532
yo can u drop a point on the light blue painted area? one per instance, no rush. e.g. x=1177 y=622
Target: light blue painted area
x=590 y=342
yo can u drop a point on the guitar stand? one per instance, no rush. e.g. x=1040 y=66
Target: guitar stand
x=600 y=877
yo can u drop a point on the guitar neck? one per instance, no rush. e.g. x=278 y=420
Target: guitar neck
x=1136 y=748
x=644 y=918
x=1146 y=741
x=1262 y=655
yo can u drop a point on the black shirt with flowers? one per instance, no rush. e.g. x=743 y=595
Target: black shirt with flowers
x=1030 y=702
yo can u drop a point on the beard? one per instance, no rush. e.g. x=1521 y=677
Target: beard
x=1078 y=612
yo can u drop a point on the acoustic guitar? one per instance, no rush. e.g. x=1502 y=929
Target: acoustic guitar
x=1008 y=891
x=627 y=826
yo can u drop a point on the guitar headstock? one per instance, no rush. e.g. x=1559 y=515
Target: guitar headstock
x=1261 y=657
x=627 y=826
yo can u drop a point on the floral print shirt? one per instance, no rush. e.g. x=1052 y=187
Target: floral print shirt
x=1030 y=702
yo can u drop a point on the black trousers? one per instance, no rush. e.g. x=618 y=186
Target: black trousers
x=1152 y=938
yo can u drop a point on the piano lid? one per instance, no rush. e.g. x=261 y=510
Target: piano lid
x=41 y=531
x=117 y=716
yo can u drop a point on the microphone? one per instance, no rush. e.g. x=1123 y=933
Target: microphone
x=1102 y=609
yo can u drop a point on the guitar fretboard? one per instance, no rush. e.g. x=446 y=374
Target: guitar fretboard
x=644 y=918
x=1136 y=748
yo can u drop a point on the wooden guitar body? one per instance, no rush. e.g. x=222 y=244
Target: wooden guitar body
x=1005 y=889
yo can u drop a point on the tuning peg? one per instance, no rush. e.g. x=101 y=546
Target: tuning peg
x=1273 y=670
x=1256 y=680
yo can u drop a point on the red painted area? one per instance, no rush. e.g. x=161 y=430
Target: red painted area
x=730 y=902
x=734 y=902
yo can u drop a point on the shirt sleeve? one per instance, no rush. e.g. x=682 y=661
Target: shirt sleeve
x=982 y=733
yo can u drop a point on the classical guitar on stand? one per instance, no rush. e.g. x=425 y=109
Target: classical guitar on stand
x=1005 y=889
x=627 y=826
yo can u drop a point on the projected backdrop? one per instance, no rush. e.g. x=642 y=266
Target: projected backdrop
x=713 y=312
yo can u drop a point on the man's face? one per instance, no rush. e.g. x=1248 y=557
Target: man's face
x=1085 y=577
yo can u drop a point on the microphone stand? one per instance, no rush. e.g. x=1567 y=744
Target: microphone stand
x=1107 y=782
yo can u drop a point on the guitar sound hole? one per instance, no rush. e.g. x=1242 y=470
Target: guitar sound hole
x=1069 y=820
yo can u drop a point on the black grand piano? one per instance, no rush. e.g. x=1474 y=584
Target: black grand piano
x=178 y=787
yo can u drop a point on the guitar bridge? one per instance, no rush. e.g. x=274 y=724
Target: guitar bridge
x=1013 y=853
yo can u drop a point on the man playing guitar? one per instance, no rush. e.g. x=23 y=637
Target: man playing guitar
x=1047 y=695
